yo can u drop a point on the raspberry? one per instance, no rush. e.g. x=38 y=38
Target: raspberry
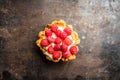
x=57 y=47
x=63 y=35
x=66 y=54
x=56 y=54
x=64 y=47
x=50 y=49
x=44 y=42
x=58 y=33
x=54 y=28
x=67 y=41
x=73 y=50
x=48 y=32
x=68 y=31
x=58 y=40
x=51 y=39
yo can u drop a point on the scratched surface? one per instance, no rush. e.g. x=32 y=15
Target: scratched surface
x=96 y=21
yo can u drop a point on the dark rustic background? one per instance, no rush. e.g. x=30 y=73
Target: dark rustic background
x=96 y=21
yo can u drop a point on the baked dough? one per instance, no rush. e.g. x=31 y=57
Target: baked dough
x=58 y=41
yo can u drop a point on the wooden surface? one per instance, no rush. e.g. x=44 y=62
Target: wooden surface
x=96 y=21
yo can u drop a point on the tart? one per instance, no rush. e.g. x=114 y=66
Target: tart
x=58 y=41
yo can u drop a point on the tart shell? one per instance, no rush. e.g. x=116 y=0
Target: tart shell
x=61 y=23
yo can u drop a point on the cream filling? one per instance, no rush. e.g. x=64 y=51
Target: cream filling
x=53 y=35
x=60 y=28
x=69 y=46
x=48 y=54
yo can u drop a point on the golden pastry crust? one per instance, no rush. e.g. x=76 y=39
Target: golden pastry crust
x=62 y=24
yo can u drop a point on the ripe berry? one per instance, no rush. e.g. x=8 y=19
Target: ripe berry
x=67 y=41
x=51 y=39
x=48 y=32
x=54 y=28
x=44 y=42
x=56 y=54
x=58 y=33
x=50 y=49
x=68 y=31
x=57 y=47
x=63 y=35
x=64 y=47
x=66 y=54
x=58 y=40
x=73 y=50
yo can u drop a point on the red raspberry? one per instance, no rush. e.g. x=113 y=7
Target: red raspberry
x=67 y=41
x=50 y=49
x=66 y=54
x=73 y=50
x=58 y=33
x=56 y=54
x=58 y=40
x=68 y=31
x=64 y=47
x=57 y=47
x=51 y=39
x=63 y=35
x=44 y=42
x=48 y=32
x=54 y=28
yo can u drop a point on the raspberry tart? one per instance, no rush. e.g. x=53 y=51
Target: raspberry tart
x=58 y=41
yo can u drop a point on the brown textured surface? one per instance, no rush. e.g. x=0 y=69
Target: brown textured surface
x=96 y=21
